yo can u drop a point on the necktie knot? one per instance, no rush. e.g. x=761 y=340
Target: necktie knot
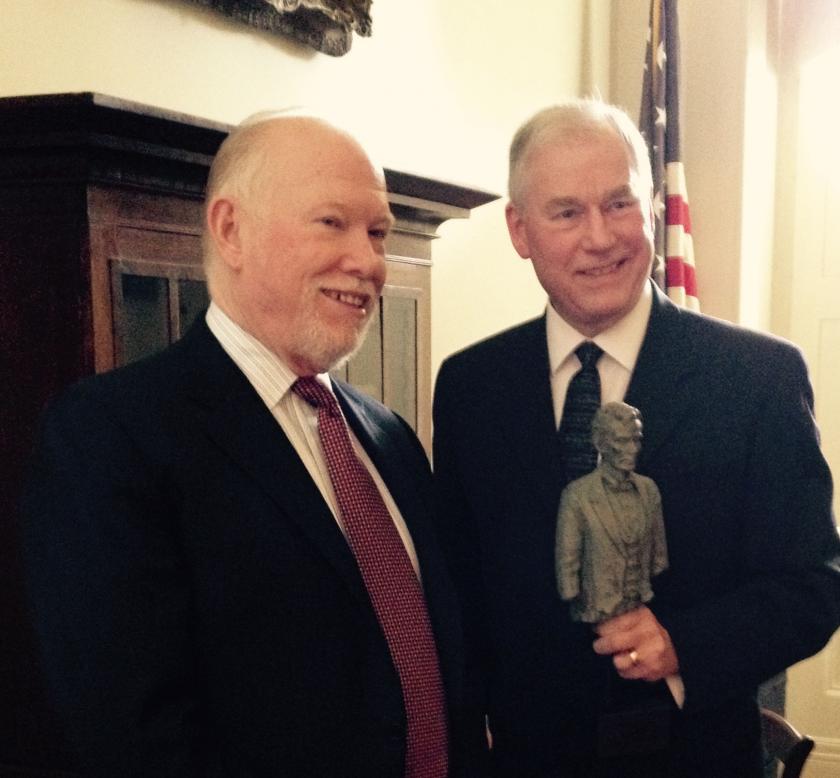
x=588 y=353
x=316 y=394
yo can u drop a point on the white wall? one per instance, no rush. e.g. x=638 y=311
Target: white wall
x=438 y=89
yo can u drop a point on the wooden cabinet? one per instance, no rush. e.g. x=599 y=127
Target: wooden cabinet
x=100 y=263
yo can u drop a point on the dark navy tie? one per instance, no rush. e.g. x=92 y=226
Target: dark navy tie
x=583 y=398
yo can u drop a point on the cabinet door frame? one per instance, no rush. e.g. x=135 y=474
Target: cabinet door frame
x=171 y=273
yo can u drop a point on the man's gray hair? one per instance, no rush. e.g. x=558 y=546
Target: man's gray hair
x=572 y=120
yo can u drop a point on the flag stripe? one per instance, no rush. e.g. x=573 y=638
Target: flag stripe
x=676 y=212
x=659 y=121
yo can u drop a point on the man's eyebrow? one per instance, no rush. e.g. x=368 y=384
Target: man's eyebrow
x=562 y=202
x=625 y=190
x=386 y=218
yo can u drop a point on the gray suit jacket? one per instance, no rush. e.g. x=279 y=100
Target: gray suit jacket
x=595 y=553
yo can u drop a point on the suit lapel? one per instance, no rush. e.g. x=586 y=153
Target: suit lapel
x=238 y=421
x=527 y=420
x=603 y=512
x=665 y=366
x=392 y=465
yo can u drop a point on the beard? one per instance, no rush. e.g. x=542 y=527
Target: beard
x=326 y=348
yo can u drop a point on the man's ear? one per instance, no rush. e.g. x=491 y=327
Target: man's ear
x=225 y=228
x=517 y=231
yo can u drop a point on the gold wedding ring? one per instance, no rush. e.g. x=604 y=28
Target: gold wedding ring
x=634 y=657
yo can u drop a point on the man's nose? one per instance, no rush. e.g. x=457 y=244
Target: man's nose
x=599 y=235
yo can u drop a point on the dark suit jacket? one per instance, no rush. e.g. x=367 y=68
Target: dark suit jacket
x=754 y=578
x=199 y=610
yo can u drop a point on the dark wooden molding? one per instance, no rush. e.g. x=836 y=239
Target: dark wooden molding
x=94 y=137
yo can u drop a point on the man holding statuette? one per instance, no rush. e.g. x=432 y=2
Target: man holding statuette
x=753 y=578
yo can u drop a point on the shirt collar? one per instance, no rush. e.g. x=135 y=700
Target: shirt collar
x=269 y=374
x=622 y=341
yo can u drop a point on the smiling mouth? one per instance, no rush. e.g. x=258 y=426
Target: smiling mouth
x=603 y=270
x=358 y=301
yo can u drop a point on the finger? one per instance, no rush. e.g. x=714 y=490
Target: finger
x=628 y=664
x=615 y=643
x=649 y=660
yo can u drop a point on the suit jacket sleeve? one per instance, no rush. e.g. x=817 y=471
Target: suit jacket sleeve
x=787 y=604
x=111 y=599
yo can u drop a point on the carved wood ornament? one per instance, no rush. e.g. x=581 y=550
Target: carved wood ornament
x=325 y=25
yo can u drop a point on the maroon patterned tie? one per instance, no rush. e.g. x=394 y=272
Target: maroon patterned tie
x=392 y=585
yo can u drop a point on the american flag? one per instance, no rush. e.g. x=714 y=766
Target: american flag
x=659 y=122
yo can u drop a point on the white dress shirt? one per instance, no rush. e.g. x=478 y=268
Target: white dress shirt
x=272 y=379
x=621 y=344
